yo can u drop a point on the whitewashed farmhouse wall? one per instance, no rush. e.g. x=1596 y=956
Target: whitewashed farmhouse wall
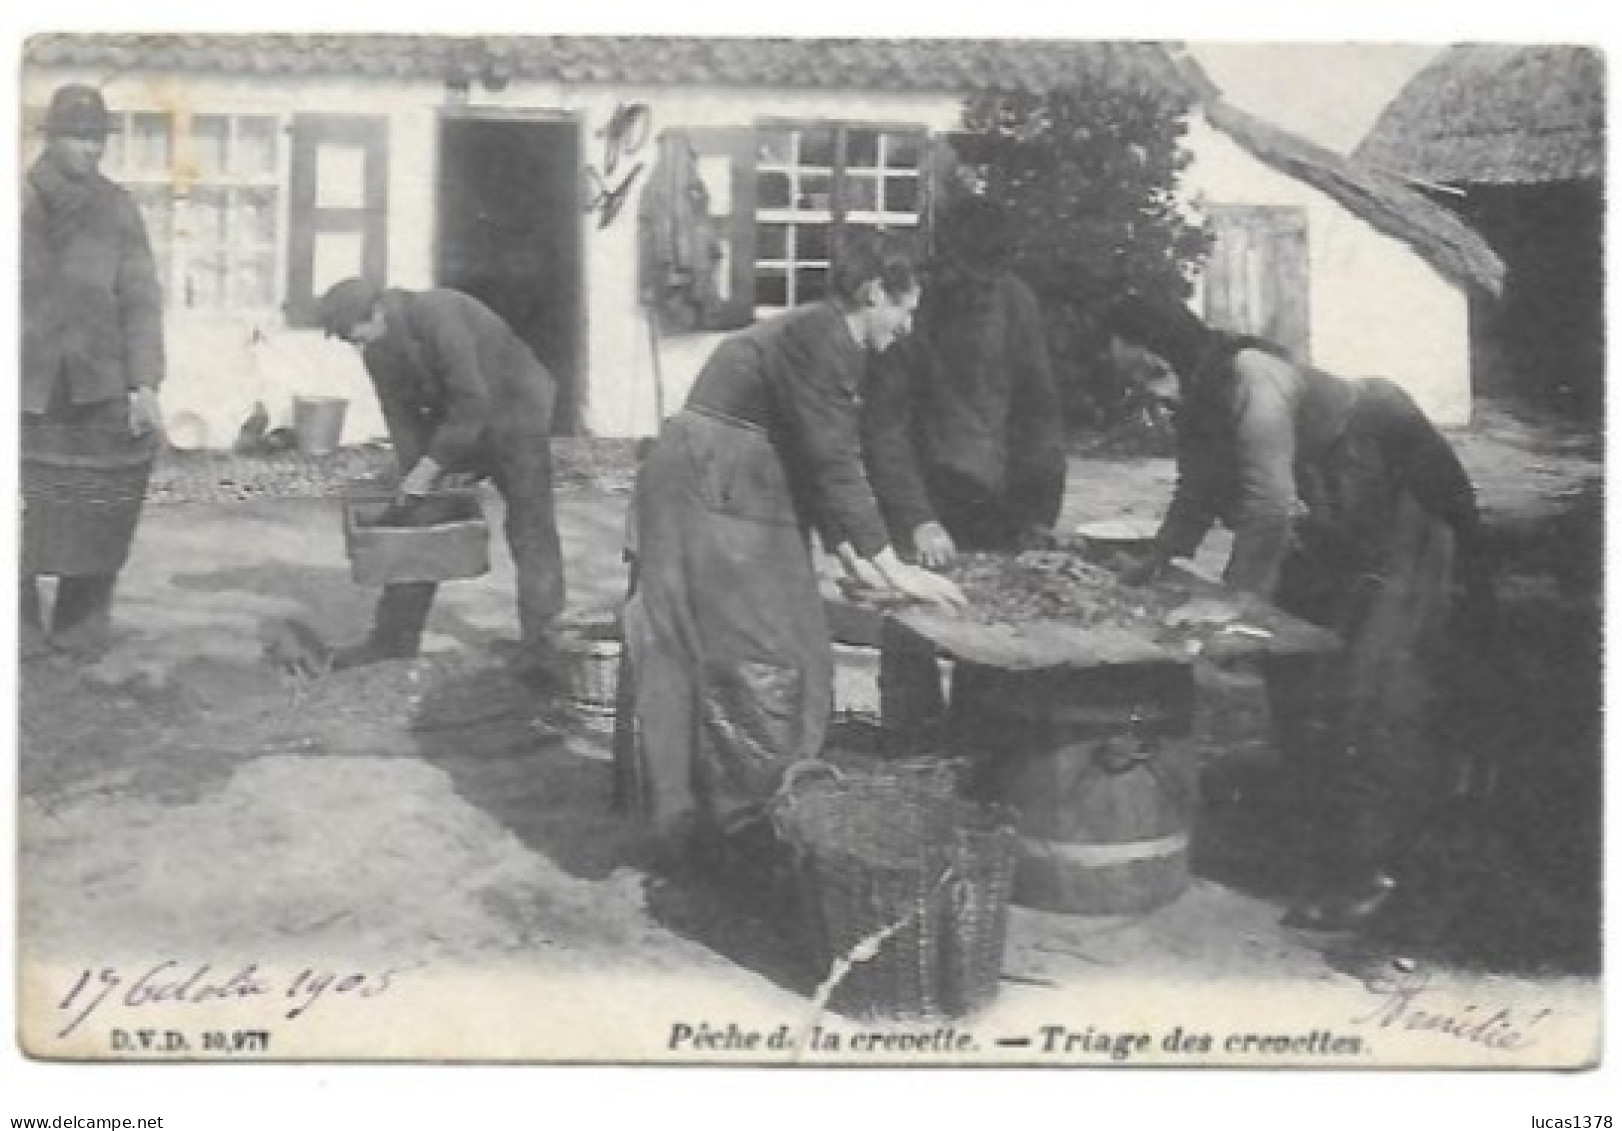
x=1376 y=306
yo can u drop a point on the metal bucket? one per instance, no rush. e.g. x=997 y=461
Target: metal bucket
x=318 y=424
x=594 y=676
x=1101 y=767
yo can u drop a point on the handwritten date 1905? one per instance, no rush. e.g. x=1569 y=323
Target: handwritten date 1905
x=175 y=983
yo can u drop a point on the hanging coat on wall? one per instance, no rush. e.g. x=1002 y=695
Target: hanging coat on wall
x=679 y=244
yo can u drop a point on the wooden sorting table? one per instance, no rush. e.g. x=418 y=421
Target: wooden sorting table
x=1056 y=643
x=1086 y=732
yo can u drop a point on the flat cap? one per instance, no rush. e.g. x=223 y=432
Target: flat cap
x=347 y=305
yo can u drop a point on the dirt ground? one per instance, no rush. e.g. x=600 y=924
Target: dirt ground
x=181 y=796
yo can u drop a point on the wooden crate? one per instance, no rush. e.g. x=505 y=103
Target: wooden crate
x=456 y=548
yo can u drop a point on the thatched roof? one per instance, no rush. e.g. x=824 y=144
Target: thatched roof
x=1387 y=203
x=1496 y=114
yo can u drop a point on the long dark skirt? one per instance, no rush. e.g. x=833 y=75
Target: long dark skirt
x=1360 y=728
x=726 y=636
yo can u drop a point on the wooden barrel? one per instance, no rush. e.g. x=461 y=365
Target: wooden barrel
x=591 y=651
x=1101 y=768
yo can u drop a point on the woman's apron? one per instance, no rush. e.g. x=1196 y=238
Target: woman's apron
x=725 y=633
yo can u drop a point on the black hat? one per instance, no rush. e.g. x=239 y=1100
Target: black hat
x=1162 y=324
x=77 y=110
x=1137 y=318
x=974 y=230
x=347 y=305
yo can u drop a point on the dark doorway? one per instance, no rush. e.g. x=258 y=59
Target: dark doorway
x=1547 y=332
x=509 y=234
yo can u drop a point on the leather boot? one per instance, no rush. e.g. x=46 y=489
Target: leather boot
x=402 y=614
x=81 y=622
x=1360 y=883
x=1351 y=908
x=368 y=651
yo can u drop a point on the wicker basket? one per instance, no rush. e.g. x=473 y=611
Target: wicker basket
x=82 y=493
x=909 y=885
x=985 y=860
x=936 y=773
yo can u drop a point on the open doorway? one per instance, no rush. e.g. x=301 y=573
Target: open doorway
x=509 y=234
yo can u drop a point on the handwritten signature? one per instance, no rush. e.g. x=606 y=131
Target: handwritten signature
x=180 y=983
x=1409 y=1002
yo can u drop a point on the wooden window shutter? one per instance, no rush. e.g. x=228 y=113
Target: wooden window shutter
x=1257 y=279
x=338 y=207
x=728 y=155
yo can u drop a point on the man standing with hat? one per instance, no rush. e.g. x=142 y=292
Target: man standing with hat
x=92 y=353
x=463 y=396
x=963 y=436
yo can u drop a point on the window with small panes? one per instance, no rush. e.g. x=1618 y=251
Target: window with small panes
x=814 y=180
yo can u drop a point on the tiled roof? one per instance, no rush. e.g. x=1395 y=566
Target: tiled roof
x=946 y=65
x=956 y=66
